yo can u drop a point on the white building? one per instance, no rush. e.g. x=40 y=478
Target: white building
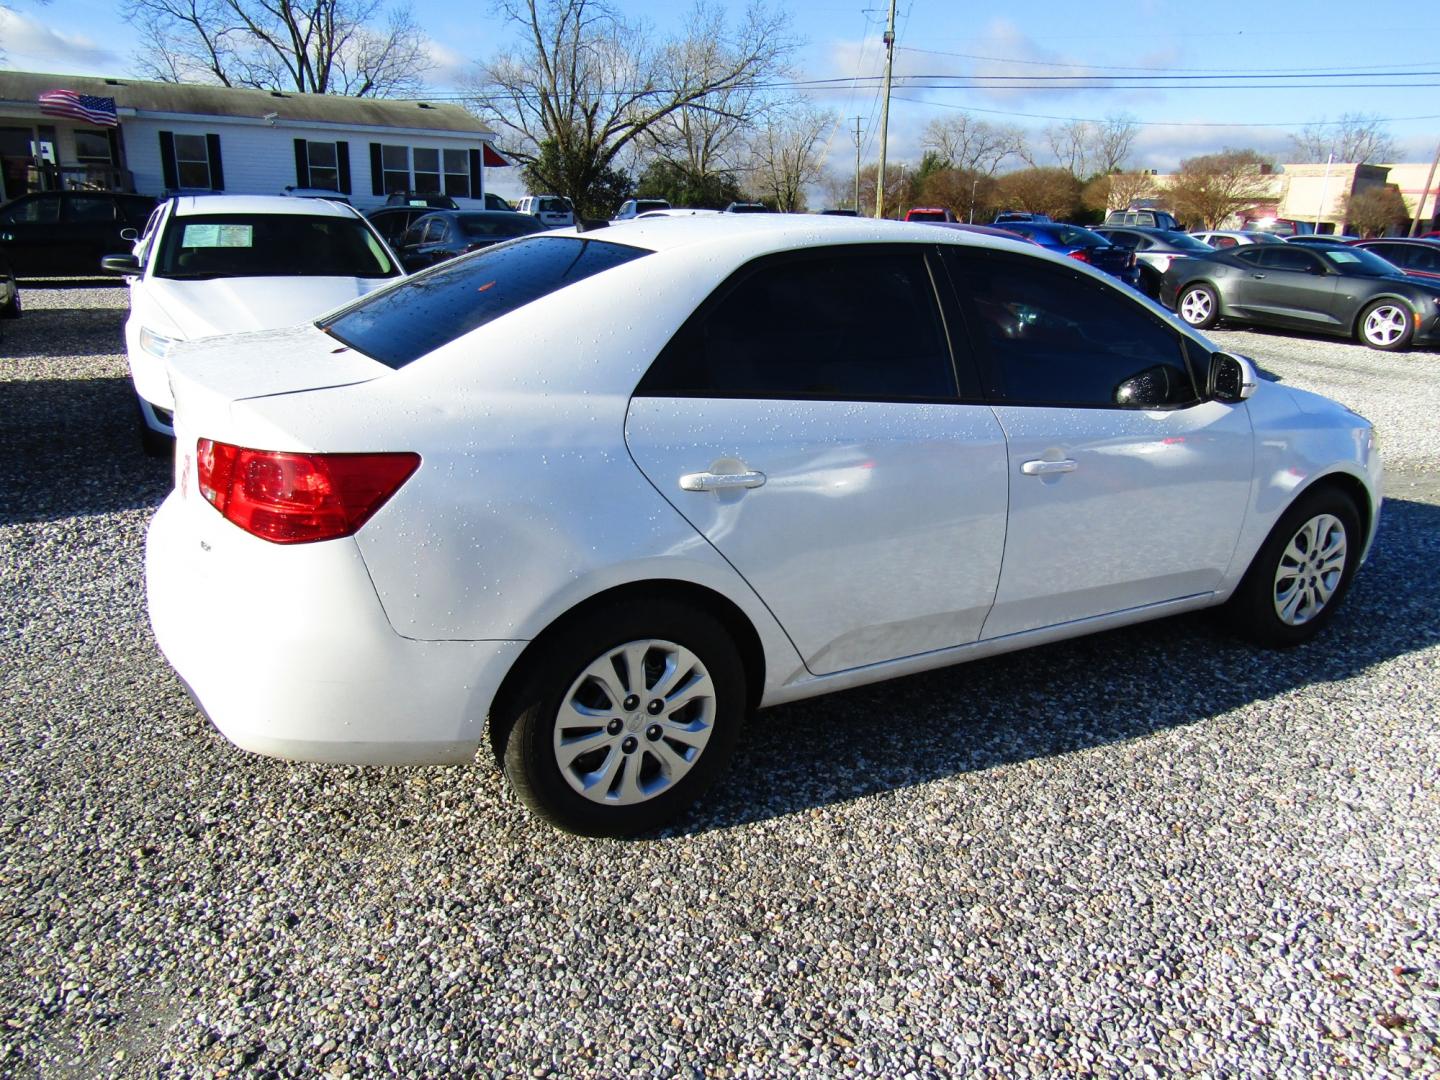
x=167 y=136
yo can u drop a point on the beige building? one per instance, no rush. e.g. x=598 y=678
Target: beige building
x=1316 y=194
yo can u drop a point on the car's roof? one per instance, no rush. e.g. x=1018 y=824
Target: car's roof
x=667 y=230
x=186 y=205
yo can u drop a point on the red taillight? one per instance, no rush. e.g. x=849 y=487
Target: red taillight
x=1080 y=255
x=298 y=498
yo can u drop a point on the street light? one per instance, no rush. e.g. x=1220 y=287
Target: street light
x=973 y=184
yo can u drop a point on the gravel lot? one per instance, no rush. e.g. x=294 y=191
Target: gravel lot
x=1152 y=853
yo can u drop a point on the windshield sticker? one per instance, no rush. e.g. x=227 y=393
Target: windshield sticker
x=1342 y=256
x=218 y=236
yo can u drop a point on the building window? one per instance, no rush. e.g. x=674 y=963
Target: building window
x=92 y=148
x=457 y=174
x=427 y=170
x=324 y=165
x=396 y=164
x=192 y=162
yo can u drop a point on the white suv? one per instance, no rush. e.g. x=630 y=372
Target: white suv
x=215 y=264
x=554 y=211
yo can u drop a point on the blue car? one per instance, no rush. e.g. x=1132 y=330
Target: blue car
x=1082 y=245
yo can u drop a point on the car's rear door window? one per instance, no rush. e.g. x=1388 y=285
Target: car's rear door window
x=398 y=326
x=834 y=325
x=1049 y=335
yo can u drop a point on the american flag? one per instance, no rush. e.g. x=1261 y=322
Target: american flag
x=97 y=110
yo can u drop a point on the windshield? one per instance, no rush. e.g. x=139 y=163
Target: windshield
x=645 y=205
x=1184 y=242
x=1071 y=236
x=1356 y=261
x=499 y=225
x=270 y=245
x=399 y=325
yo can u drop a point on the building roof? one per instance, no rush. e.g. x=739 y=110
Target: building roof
x=24 y=87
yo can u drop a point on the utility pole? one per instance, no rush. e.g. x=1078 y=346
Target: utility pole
x=885 y=113
x=857 y=165
x=1420 y=206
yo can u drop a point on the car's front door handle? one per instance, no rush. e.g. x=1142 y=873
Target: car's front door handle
x=709 y=481
x=1257 y=277
x=1048 y=468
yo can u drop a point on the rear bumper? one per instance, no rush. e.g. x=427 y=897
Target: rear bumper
x=289 y=654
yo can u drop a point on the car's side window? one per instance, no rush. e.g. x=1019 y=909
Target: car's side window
x=1049 y=335
x=36 y=210
x=835 y=324
x=1252 y=253
x=1224 y=242
x=1421 y=258
x=412 y=236
x=90 y=208
x=1288 y=257
x=1124 y=240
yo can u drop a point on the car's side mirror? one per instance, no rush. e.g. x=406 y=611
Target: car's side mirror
x=1232 y=378
x=130 y=234
x=1146 y=389
x=120 y=264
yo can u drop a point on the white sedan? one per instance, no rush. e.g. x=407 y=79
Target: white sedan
x=217 y=264
x=611 y=491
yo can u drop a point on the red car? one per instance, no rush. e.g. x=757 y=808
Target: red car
x=929 y=213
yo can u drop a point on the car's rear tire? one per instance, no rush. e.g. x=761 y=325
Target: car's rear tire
x=1199 y=306
x=1301 y=573
x=11 y=308
x=623 y=718
x=1386 y=324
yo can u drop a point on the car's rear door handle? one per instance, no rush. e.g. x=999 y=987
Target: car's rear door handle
x=1257 y=276
x=1048 y=468
x=709 y=481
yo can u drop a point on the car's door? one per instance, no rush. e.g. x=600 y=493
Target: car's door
x=806 y=421
x=1288 y=283
x=90 y=226
x=28 y=228
x=1127 y=487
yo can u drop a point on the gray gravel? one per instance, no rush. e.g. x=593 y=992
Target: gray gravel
x=1152 y=853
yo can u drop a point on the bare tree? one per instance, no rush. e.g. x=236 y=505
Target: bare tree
x=787 y=155
x=1374 y=209
x=1116 y=191
x=1089 y=148
x=963 y=142
x=1045 y=190
x=352 y=47
x=1355 y=137
x=705 y=137
x=586 y=84
x=1210 y=188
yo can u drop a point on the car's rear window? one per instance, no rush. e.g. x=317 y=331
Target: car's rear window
x=196 y=247
x=490 y=226
x=400 y=325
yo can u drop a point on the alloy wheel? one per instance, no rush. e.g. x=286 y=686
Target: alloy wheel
x=1196 y=306
x=634 y=722
x=1310 y=569
x=1386 y=325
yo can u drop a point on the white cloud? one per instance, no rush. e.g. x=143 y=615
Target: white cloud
x=32 y=45
x=449 y=70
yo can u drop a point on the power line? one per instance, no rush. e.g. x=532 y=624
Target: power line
x=1163 y=123
x=1168 y=67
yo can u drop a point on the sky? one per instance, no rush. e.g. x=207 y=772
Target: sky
x=1154 y=60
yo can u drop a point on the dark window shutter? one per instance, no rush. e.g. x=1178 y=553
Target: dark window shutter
x=167 y=160
x=342 y=163
x=477 y=178
x=377 y=171
x=217 y=171
x=302 y=164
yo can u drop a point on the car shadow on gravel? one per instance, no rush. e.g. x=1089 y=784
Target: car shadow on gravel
x=71 y=447
x=1331 y=339
x=1052 y=700
x=42 y=333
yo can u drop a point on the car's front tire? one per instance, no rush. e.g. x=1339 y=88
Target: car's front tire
x=1199 y=306
x=1301 y=573
x=1386 y=324
x=623 y=718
